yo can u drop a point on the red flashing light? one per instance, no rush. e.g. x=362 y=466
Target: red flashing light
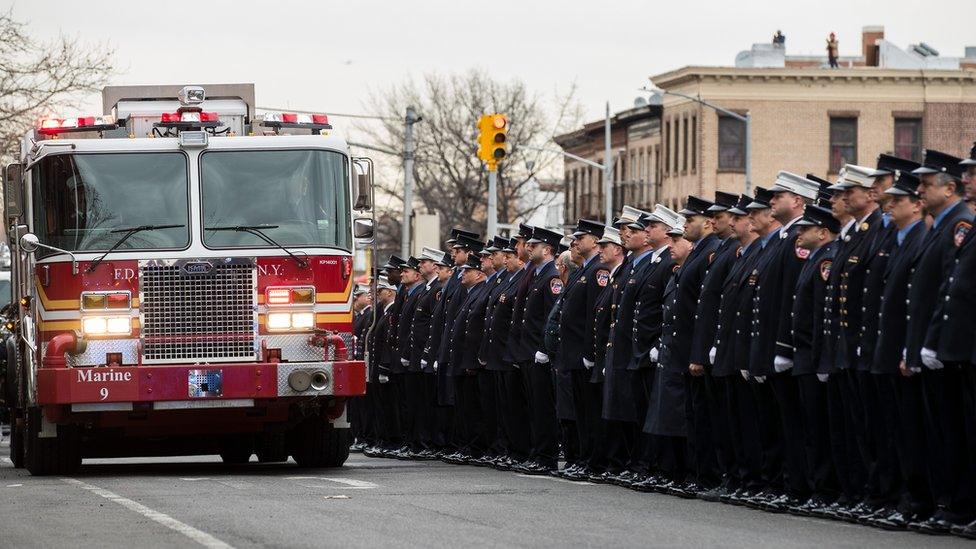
x=51 y=126
x=289 y=118
x=320 y=119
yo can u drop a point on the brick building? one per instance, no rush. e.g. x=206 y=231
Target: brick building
x=635 y=137
x=806 y=118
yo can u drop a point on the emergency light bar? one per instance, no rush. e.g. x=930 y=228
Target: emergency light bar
x=188 y=118
x=54 y=126
x=314 y=122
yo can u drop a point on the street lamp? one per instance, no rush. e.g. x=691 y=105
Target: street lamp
x=747 y=119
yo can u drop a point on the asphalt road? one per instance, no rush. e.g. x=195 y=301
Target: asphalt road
x=181 y=502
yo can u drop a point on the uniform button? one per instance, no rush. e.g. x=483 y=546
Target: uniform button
x=907 y=302
x=952 y=278
x=909 y=285
x=908 y=317
x=947 y=298
x=945 y=317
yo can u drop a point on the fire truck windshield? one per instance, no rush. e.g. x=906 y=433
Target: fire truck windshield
x=80 y=199
x=298 y=197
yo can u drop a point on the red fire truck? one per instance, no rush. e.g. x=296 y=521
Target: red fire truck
x=182 y=279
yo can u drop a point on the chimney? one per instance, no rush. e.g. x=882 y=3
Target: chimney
x=869 y=44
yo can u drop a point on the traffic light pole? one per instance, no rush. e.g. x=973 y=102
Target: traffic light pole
x=492 y=200
x=411 y=119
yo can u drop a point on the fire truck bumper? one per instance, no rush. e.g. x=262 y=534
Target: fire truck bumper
x=208 y=384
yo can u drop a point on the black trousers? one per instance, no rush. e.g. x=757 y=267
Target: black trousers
x=870 y=423
x=813 y=406
x=844 y=446
x=468 y=428
x=488 y=405
x=770 y=433
x=917 y=496
x=620 y=444
x=515 y=415
x=367 y=407
x=588 y=403
x=703 y=455
x=887 y=484
x=794 y=436
x=543 y=427
x=949 y=415
x=645 y=456
x=389 y=431
x=416 y=421
x=746 y=438
x=720 y=419
x=501 y=444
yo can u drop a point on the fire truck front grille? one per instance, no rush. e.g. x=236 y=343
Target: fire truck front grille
x=198 y=310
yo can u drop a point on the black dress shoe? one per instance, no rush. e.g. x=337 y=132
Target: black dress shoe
x=782 y=504
x=936 y=525
x=967 y=531
x=757 y=501
x=713 y=495
x=810 y=507
x=601 y=478
x=894 y=521
x=681 y=489
x=538 y=469
x=742 y=496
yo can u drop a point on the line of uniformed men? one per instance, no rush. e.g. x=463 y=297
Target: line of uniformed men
x=809 y=349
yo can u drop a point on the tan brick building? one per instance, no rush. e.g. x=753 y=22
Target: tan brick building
x=635 y=136
x=806 y=118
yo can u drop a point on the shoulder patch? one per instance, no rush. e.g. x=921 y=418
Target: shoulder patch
x=602 y=277
x=825 y=269
x=802 y=253
x=556 y=286
x=960 y=231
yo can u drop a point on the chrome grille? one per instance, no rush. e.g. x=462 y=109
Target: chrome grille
x=198 y=310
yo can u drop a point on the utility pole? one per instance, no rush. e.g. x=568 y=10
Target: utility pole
x=410 y=120
x=607 y=171
x=492 y=201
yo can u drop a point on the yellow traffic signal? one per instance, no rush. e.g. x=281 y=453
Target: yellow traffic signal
x=492 y=138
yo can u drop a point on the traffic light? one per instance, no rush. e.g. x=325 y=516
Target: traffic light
x=492 y=138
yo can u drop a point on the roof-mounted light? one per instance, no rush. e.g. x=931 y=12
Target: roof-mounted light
x=54 y=126
x=191 y=95
x=314 y=122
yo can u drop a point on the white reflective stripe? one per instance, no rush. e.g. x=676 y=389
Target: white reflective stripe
x=216 y=403
x=198 y=536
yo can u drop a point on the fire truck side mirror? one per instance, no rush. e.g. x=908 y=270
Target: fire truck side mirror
x=29 y=243
x=362 y=192
x=362 y=229
x=12 y=191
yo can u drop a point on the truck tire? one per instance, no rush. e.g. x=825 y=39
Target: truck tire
x=271 y=448
x=51 y=456
x=316 y=443
x=237 y=451
x=16 y=404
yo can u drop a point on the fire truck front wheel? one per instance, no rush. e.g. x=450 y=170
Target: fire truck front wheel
x=59 y=455
x=316 y=443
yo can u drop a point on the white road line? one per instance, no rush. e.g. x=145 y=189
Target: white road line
x=198 y=536
x=352 y=483
x=6 y=460
x=555 y=479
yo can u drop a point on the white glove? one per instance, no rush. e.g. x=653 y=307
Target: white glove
x=423 y=363
x=745 y=374
x=782 y=364
x=858 y=352
x=384 y=378
x=588 y=364
x=823 y=377
x=711 y=355
x=405 y=362
x=904 y=353
x=541 y=358
x=435 y=365
x=760 y=379
x=653 y=354
x=930 y=360
x=482 y=362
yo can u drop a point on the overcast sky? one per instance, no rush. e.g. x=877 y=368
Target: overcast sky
x=326 y=55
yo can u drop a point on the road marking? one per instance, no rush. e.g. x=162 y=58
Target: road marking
x=352 y=483
x=555 y=479
x=340 y=496
x=198 y=536
x=194 y=479
x=6 y=460
x=14 y=485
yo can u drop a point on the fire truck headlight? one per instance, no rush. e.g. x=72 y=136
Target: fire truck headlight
x=95 y=325
x=279 y=321
x=302 y=321
x=104 y=325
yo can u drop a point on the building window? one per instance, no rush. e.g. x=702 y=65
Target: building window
x=694 y=144
x=677 y=127
x=731 y=144
x=843 y=143
x=908 y=138
x=684 y=145
x=667 y=146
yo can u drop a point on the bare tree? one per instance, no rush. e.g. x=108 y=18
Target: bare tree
x=37 y=77
x=449 y=178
